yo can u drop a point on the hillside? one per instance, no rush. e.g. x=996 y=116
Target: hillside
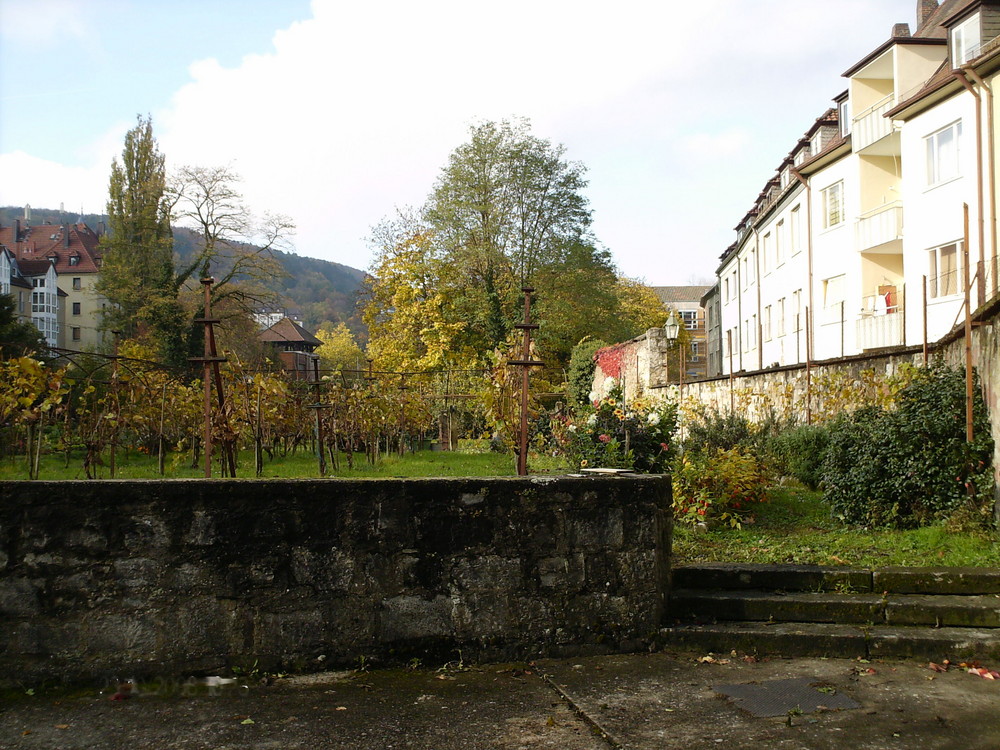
x=319 y=289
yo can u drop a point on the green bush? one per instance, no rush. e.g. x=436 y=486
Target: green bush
x=799 y=452
x=911 y=465
x=720 y=486
x=715 y=430
x=580 y=375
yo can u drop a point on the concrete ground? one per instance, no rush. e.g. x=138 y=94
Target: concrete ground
x=635 y=701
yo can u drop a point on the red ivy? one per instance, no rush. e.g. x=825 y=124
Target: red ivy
x=610 y=359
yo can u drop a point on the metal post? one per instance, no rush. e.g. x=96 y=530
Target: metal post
x=808 y=369
x=968 y=328
x=925 y=318
x=206 y=379
x=732 y=396
x=525 y=363
x=320 y=454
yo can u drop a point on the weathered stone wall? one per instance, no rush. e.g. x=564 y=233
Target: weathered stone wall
x=144 y=578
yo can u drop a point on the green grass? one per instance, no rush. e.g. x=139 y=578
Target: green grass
x=298 y=465
x=796 y=526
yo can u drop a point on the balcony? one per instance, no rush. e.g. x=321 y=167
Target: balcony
x=880 y=226
x=881 y=322
x=871 y=126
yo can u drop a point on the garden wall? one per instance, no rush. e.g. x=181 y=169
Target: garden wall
x=167 y=578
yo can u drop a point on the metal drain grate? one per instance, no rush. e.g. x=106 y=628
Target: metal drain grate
x=779 y=697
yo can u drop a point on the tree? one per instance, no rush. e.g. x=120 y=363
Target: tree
x=339 y=351
x=411 y=322
x=235 y=244
x=506 y=205
x=17 y=338
x=137 y=275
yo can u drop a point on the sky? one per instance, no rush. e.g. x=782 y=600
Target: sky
x=340 y=113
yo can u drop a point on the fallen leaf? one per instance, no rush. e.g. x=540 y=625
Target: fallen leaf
x=938 y=667
x=341 y=708
x=550 y=722
x=62 y=726
x=26 y=732
x=248 y=721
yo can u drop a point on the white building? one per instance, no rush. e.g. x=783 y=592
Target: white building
x=832 y=258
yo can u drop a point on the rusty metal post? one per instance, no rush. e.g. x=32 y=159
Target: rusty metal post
x=318 y=406
x=210 y=361
x=525 y=363
x=968 y=328
x=925 y=318
x=808 y=368
x=732 y=395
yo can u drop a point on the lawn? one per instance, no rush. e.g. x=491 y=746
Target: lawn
x=299 y=465
x=795 y=526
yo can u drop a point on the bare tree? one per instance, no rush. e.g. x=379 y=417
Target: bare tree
x=236 y=245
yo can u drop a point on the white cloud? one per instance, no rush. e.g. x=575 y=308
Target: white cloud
x=47 y=184
x=356 y=110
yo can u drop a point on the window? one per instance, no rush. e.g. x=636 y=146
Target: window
x=816 y=143
x=833 y=293
x=690 y=319
x=765 y=253
x=726 y=288
x=767 y=323
x=74 y=260
x=779 y=244
x=966 y=40
x=794 y=237
x=76 y=308
x=945 y=269
x=943 y=154
x=76 y=333
x=795 y=310
x=833 y=205
x=781 y=317
x=844 y=116
x=77 y=284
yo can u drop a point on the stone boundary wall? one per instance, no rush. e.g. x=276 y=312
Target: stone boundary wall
x=787 y=385
x=168 y=578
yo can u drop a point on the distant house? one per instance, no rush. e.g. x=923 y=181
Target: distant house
x=686 y=300
x=294 y=346
x=72 y=252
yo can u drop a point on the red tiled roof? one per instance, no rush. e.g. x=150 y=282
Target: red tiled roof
x=34 y=267
x=44 y=240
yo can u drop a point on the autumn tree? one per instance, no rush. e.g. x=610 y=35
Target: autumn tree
x=235 y=246
x=339 y=351
x=137 y=274
x=508 y=210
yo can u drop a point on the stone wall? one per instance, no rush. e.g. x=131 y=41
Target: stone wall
x=166 y=578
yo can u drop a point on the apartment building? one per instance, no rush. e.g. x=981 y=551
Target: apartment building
x=861 y=228
x=686 y=302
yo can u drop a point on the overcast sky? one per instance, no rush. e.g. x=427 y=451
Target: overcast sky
x=337 y=112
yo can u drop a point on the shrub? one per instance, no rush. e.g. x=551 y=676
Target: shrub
x=613 y=434
x=910 y=466
x=580 y=375
x=799 y=452
x=714 y=430
x=720 y=486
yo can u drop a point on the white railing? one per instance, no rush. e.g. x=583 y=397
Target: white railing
x=871 y=125
x=879 y=226
x=880 y=323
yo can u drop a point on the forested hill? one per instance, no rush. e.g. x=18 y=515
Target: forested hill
x=319 y=289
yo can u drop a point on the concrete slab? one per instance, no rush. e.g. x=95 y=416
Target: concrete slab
x=641 y=702
x=901 y=580
x=772 y=577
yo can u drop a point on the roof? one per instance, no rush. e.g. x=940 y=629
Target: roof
x=672 y=295
x=42 y=241
x=288 y=330
x=34 y=267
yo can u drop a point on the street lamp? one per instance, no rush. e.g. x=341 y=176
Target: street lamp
x=672 y=330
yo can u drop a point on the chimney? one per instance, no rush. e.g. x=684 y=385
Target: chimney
x=17 y=233
x=66 y=236
x=900 y=30
x=925 y=9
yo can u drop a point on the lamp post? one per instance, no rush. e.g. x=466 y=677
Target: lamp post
x=672 y=330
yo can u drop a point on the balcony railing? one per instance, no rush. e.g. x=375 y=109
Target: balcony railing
x=880 y=323
x=879 y=226
x=871 y=125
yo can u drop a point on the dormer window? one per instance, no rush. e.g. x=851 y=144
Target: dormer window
x=800 y=156
x=844 y=115
x=816 y=144
x=74 y=260
x=966 y=41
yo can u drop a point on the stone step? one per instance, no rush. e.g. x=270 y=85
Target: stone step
x=835 y=640
x=815 y=578
x=977 y=611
